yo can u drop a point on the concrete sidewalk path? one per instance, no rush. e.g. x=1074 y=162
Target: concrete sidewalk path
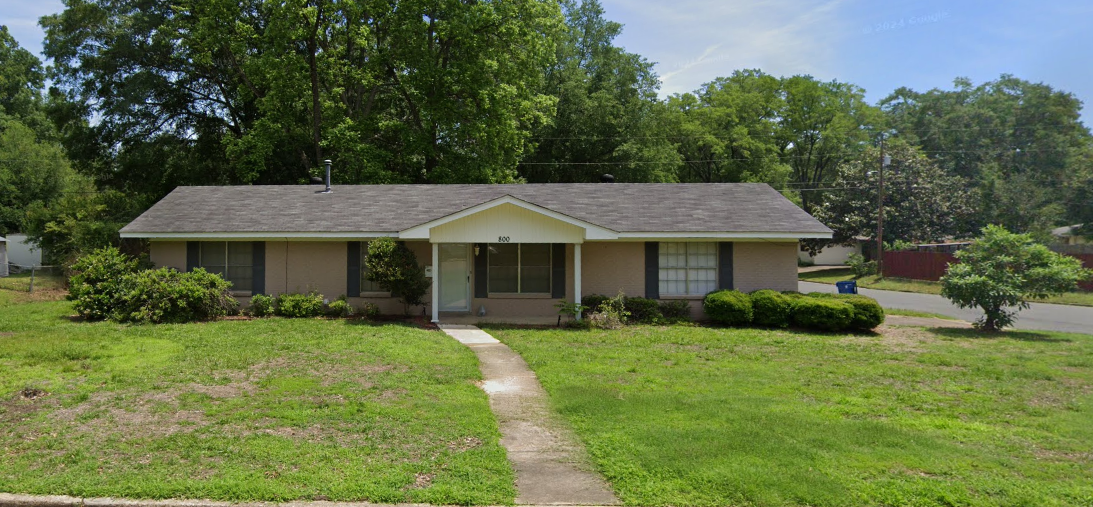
x=551 y=465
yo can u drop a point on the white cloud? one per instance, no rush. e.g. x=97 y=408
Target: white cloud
x=782 y=37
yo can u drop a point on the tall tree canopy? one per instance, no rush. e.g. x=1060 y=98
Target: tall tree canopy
x=608 y=117
x=922 y=203
x=1014 y=140
x=728 y=130
x=228 y=91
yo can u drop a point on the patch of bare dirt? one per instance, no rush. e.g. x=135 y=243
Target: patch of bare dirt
x=7 y=334
x=465 y=444
x=421 y=481
x=899 y=339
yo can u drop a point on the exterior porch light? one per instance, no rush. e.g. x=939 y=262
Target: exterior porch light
x=476 y=250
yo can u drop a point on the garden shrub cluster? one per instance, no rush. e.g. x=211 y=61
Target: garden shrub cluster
x=107 y=284
x=299 y=305
x=642 y=310
x=308 y=305
x=728 y=307
x=818 y=311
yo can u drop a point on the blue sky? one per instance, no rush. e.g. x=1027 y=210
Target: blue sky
x=876 y=44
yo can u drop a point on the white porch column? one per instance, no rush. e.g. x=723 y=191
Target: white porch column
x=436 y=282
x=577 y=275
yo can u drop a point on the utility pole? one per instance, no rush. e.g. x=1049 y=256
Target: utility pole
x=884 y=161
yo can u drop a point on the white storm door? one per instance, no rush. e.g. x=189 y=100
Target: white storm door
x=455 y=287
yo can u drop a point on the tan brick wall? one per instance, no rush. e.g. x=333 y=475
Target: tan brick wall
x=764 y=266
x=608 y=267
x=168 y=254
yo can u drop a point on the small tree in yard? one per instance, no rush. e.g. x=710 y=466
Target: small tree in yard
x=1001 y=270
x=394 y=267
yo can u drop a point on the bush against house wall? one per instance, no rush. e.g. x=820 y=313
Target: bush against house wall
x=818 y=311
x=107 y=284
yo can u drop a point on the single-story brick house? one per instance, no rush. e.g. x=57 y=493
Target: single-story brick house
x=506 y=250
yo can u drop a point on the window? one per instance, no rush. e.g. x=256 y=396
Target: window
x=366 y=284
x=519 y=268
x=233 y=260
x=688 y=269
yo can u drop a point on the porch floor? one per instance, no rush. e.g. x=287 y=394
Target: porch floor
x=468 y=319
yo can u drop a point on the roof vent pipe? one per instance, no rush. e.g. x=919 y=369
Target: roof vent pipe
x=327 y=164
x=607 y=178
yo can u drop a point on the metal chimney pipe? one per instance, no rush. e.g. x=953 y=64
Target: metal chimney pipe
x=327 y=164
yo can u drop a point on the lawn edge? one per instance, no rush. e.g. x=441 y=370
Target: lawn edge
x=23 y=500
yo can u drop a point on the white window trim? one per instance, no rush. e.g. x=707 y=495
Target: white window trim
x=519 y=276
x=687 y=269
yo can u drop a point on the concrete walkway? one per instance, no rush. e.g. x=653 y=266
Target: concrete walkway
x=551 y=466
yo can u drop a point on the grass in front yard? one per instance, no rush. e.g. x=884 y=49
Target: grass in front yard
x=916 y=313
x=700 y=416
x=14 y=288
x=830 y=276
x=270 y=409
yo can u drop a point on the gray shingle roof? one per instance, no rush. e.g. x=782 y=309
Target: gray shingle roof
x=622 y=207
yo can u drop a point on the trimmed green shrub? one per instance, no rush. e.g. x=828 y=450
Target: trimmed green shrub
x=96 y=283
x=339 y=308
x=676 y=310
x=868 y=313
x=300 y=305
x=771 y=308
x=643 y=310
x=261 y=305
x=728 y=307
x=592 y=302
x=165 y=295
x=825 y=314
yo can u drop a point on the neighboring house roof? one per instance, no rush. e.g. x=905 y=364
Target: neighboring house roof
x=1067 y=231
x=361 y=209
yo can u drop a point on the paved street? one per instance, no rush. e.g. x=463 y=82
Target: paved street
x=1074 y=319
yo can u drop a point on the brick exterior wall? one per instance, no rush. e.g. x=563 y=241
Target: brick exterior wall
x=764 y=265
x=608 y=267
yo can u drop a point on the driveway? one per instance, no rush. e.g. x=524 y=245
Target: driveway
x=1041 y=316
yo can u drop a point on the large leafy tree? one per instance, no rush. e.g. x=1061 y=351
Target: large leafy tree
x=1014 y=140
x=608 y=118
x=822 y=125
x=1001 y=271
x=728 y=130
x=921 y=202
x=226 y=91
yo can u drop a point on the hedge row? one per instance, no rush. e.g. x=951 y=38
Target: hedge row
x=819 y=311
x=644 y=310
x=307 y=305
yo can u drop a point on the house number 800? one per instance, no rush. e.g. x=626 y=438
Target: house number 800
x=502 y=239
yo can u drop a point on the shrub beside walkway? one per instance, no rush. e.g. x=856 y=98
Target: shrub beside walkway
x=551 y=466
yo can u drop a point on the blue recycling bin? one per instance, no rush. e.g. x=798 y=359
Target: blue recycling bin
x=847 y=287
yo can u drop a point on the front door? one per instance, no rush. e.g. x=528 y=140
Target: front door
x=455 y=275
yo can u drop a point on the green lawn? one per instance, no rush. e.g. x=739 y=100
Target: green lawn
x=830 y=276
x=243 y=410
x=700 y=416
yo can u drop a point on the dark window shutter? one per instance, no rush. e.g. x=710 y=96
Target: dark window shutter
x=481 y=271
x=724 y=265
x=557 y=270
x=258 y=268
x=353 y=271
x=652 y=270
x=193 y=255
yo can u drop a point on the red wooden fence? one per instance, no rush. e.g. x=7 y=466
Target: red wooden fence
x=932 y=265
x=917 y=265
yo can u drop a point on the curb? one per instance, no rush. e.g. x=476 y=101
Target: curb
x=20 y=500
